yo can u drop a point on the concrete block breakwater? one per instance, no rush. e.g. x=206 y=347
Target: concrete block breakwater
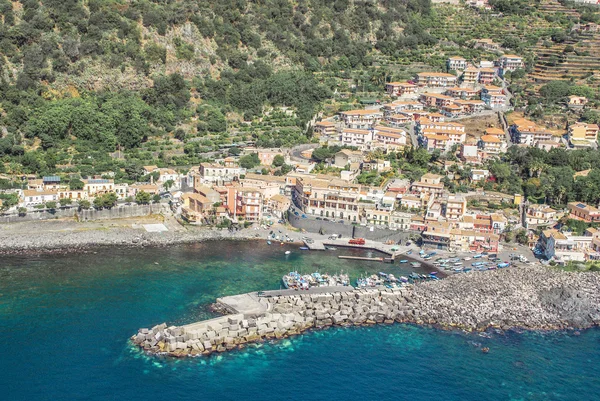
x=526 y=297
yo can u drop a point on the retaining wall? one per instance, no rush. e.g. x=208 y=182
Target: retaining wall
x=117 y=212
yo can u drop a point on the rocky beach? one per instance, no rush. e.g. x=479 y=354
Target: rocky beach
x=525 y=297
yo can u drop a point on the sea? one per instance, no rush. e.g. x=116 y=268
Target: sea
x=65 y=323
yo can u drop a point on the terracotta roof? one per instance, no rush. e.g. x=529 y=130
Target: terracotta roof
x=490 y=139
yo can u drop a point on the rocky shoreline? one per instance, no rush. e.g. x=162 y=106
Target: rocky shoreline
x=525 y=297
x=44 y=242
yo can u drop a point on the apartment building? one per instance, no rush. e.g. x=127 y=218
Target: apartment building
x=356 y=137
x=390 y=136
x=435 y=79
x=398 y=106
x=324 y=129
x=491 y=144
x=456 y=63
x=470 y=76
x=583 y=134
x=527 y=132
x=435 y=100
x=32 y=197
x=536 y=215
x=245 y=203
x=361 y=119
x=454 y=207
x=400 y=88
x=486 y=76
x=493 y=96
x=399 y=120
x=98 y=186
x=328 y=197
x=217 y=173
x=510 y=62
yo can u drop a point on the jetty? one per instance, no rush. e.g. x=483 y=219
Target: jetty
x=529 y=297
x=391 y=250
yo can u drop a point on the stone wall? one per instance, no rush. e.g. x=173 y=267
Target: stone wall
x=86 y=215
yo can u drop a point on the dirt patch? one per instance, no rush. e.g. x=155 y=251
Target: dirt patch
x=476 y=126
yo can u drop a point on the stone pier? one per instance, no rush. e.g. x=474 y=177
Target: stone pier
x=531 y=297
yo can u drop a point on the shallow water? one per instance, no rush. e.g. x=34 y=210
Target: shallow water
x=66 y=320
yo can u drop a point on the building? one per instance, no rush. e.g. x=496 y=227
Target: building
x=435 y=100
x=479 y=175
x=429 y=184
x=510 y=62
x=356 y=137
x=33 y=197
x=278 y=205
x=194 y=205
x=347 y=157
x=470 y=76
x=469 y=154
x=486 y=76
x=497 y=132
x=491 y=144
x=390 y=136
x=437 y=235
x=266 y=156
x=456 y=63
x=361 y=119
x=324 y=128
x=400 y=221
x=151 y=189
x=537 y=215
x=577 y=102
x=487 y=44
x=410 y=202
x=400 y=88
x=399 y=120
x=219 y=173
x=582 y=211
x=328 y=197
x=435 y=79
x=98 y=186
x=527 y=132
x=454 y=207
x=583 y=135
x=564 y=247
x=245 y=203
x=210 y=194
x=493 y=96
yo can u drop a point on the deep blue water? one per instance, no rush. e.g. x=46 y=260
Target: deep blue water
x=65 y=323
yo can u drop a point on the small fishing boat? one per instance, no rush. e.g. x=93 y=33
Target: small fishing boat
x=268 y=242
x=403 y=261
x=409 y=252
x=304 y=248
x=503 y=265
x=415 y=264
x=331 y=248
x=288 y=252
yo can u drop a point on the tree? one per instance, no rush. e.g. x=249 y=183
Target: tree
x=84 y=204
x=168 y=184
x=51 y=205
x=278 y=161
x=142 y=198
x=249 y=161
x=22 y=211
x=65 y=201
x=156 y=198
x=521 y=237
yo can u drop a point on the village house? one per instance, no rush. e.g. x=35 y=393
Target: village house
x=487 y=44
x=454 y=207
x=377 y=217
x=209 y=193
x=434 y=141
x=479 y=175
x=583 y=134
x=277 y=205
x=346 y=156
x=537 y=215
x=324 y=129
x=577 y=102
x=361 y=119
x=152 y=189
x=584 y=212
x=399 y=120
x=266 y=156
x=437 y=235
x=398 y=106
x=435 y=79
x=497 y=132
x=220 y=173
x=469 y=154
x=400 y=88
x=430 y=184
x=410 y=202
x=564 y=247
x=463 y=93
x=74 y=195
x=98 y=186
x=194 y=205
x=32 y=197
x=456 y=63
x=400 y=221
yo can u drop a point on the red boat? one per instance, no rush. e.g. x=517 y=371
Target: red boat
x=357 y=241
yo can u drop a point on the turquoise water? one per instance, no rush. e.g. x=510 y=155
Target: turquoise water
x=65 y=322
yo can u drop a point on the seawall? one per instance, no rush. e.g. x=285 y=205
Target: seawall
x=529 y=297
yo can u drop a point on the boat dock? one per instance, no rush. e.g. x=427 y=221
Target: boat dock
x=321 y=245
x=361 y=258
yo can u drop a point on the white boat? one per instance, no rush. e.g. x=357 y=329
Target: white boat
x=288 y=252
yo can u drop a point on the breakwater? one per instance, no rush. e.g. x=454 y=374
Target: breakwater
x=530 y=297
